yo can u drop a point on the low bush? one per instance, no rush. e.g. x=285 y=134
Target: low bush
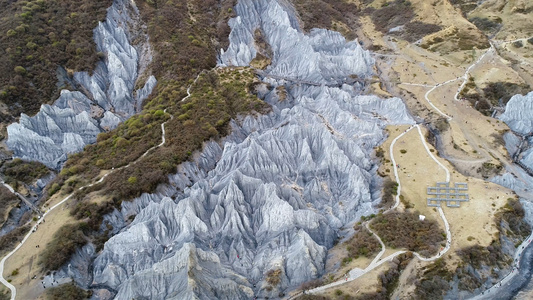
x=363 y=243
x=503 y=91
x=311 y=284
x=11 y=239
x=36 y=38
x=312 y=297
x=395 y=13
x=273 y=277
x=512 y=216
x=414 y=31
x=325 y=13
x=67 y=291
x=486 y=25
x=7 y=200
x=389 y=279
x=390 y=190
x=63 y=245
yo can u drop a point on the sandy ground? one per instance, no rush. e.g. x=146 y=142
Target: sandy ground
x=336 y=255
x=26 y=259
x=364 y=284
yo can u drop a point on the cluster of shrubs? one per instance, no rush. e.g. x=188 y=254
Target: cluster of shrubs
x=9 y=240
x=23 y=171
x=390 y=190
x=433 y=281
x=465 y=6
x=406 y=230
x=363 y=243
x=494 y=94
x=487 y=25
x=63 y=245
x=512 y=216
x=389 y=279
x=273 y=277
x=392 y=14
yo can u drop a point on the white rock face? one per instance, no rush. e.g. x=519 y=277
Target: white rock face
x=105 y=99
x=518 y=116
x=518 y=113
x=323 y=56
x=275 y=193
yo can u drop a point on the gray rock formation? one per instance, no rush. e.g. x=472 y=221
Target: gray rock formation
x=518 y=116
x=102 y=101
x=276 y=192
x=322 y=56
x=518 y=113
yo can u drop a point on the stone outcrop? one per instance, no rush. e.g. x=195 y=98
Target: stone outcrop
x=518 y=114
x=102 y=100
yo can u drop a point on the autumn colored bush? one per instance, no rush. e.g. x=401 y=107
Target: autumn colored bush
x=405 y=230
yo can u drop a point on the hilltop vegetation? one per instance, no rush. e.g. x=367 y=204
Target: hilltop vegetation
x=492 y=95
x=363 y=243
x=36 y=38
x=331 y=14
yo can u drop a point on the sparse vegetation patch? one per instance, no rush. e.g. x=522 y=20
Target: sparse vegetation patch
x=392 y=14
x=64 y=243
x=389 y=279
x=405 y=230
x=7 y=200
x=67 y=291
x=327 y=13
x=390 y=189
x=433 y=281
x=363 y=243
